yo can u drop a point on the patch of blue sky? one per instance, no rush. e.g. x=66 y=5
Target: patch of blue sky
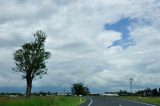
x=122 y=27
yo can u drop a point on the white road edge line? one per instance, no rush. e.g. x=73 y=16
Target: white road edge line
x=90 y=103
x=142 y=103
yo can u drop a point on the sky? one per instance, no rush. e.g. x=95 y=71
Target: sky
x=100 y=43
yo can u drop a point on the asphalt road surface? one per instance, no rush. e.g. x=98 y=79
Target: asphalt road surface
x=110 y=101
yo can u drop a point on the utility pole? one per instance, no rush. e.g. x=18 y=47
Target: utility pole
x=131 y=81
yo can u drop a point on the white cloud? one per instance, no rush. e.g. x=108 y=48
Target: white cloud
x=78 y=41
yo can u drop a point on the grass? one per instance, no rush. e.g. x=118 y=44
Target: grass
x=150 y=100
x=40 y=101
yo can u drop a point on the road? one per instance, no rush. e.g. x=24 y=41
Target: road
x=110 y=101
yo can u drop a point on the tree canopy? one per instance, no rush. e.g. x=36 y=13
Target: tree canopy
x=31 y=59
x=80 y=89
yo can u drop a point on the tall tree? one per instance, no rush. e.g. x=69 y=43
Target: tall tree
x=31 y=59
x=79 y=89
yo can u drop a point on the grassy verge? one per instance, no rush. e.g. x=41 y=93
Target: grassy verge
x=41 y=101
x=150 y=100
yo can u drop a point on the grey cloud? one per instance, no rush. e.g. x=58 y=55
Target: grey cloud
x=77 y=39
x=9 y=43
x=29 y=12
x=77 y=47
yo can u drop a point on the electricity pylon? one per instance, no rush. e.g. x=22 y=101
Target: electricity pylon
x=131 y=81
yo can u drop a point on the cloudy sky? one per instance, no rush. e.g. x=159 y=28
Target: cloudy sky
x=101 y=43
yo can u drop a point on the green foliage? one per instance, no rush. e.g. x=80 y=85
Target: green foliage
x=30 y=59
x=80 y=89
x=40 y=101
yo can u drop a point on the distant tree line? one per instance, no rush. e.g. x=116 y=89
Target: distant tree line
x=77 y=89
x=41 y=93
x=146 y=92
x=7 y=94
x=149 y=92
x=123 y=93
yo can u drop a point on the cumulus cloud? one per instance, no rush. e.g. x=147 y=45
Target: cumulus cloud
x=79 y=42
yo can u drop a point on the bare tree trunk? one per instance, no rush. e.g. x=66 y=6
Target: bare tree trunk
x=28 y=87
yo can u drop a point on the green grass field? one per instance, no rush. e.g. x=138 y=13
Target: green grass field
x=40 y=101
x=150 y=100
